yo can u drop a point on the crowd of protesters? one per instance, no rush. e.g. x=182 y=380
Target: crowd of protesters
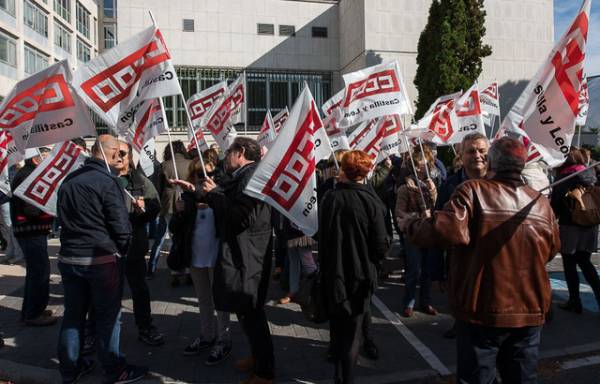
x=481 y=227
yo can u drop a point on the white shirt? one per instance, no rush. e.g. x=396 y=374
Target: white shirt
x=205 y=245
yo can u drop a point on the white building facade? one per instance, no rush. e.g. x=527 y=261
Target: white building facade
x=37 y=33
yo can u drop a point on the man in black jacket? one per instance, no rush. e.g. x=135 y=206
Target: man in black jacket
x=243 y=267
x=95 y=236
x=31 y=226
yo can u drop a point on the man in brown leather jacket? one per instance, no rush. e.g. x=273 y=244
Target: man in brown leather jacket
x=503 y=234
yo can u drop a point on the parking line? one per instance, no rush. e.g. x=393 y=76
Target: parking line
x=426 y=353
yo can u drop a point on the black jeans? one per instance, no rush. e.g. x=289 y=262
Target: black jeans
x=135 y=271
x=345 y=341
x=514 y=351
x=255 y=326
x=37 y=276
x=570 y=263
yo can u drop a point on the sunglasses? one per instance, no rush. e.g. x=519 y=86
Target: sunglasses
x=123 y=153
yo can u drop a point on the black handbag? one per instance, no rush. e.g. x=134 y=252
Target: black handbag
x=311 y=299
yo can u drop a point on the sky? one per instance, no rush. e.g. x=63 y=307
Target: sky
x=564 y=13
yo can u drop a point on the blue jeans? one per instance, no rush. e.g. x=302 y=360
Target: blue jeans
x=102 y=286
x=417 y=269
x=37 y=276
x=300 y=260
x=161 y=231
x=480 y=350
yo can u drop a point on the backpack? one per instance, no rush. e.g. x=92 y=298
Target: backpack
x=590 y=214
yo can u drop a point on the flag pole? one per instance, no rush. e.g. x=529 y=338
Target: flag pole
x=578 y=135
x=189 y=120
x=415 y=172
x=424 y=159
x=569 y=177
x=245 y=106
x=108 y=169
x=164 y=116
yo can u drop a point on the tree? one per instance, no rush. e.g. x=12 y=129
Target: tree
x=450 y=50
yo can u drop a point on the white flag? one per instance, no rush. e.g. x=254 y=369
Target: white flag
x=198 y=105
x=219 y=118
x=367 y=138
x=147 y=123
x=391 y=143
x=374 y=92
x=549 y=105
x=584 y=103
x=280 y=119
x=9 y=155
x=490 y=103
x=114 y=83
x=453 y=117
x=331 y=109
x=148 y=157
x=40 y=188
x=286 y=177
x=267 y=133
x=44 y=109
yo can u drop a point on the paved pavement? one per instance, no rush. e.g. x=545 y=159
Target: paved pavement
x=412 y=350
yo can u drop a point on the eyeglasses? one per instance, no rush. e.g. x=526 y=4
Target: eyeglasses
x=123 y=153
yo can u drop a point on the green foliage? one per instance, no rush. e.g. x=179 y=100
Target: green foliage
x=450 y=50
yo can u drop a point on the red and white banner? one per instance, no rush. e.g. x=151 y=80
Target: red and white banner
x=148 y=157
x=549 y=105
x=220 y=117
x=367 y=138
x=40 y=188
x=147 y=123
x=584 y=103
x=490 y=103
x=114 y=83
x=331 y=109
x=391 y=142
x=267 y=132
x=198 y=105
x=374 y=92
x=286 y=177
x=9 y=155
x=44 y=109
x=279 y=119
x=452 y=117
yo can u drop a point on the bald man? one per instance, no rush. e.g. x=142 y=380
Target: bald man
x=95 y=234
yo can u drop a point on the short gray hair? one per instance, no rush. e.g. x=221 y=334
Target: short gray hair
x=474 y=136
x=507 y=155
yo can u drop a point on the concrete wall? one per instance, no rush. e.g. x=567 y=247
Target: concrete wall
x=226 y=32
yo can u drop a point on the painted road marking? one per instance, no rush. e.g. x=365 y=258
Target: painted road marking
x=426 y=353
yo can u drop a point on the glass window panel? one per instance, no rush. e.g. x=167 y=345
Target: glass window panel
x=8 y=50
x=279 y=94
x=8 y=6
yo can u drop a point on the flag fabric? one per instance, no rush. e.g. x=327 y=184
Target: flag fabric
x=549 y=105
x=44 y=109
x=391 y=143
x=279 y=119
x=40 y=188
x=367 y=138
x=116 y=82
x=147 y=123
x=198 y=105
x=454 y=116
x=9 y=155
x=148 y=157
x=584 y=104
x=286 y=177
x=267 y=133
x=490 y=103
x=373 y=92
x=219 y=119
x=332 y=111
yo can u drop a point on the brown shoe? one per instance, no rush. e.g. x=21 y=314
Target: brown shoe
x=245 y=365
x=41 y=321
x=285 y=300
x=408 y=312
x=428 y=309
x=256 y=380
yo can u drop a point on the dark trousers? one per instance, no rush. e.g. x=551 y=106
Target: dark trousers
x=135 y=271
x=480 y=350
x=37 y=276
x=102 y=285
x=366 y=325
x=255 y=326
x=570 y=263
x=417 y=270
x=345 y=341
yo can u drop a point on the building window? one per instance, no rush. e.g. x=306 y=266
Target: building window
x=83 y=20
x=35 y=18
x=95 y=31
x=319 y=32
x=63 y=8
x=83 y=51
x=8 y=6
x=287 y=30
x=8 y=50
x=35 y=61
x=62 y=37
x=110 y=37
x=265 y=29
x=110 y=9
x=188 y=25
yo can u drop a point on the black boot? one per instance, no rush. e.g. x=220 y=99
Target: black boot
x=572 y=306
